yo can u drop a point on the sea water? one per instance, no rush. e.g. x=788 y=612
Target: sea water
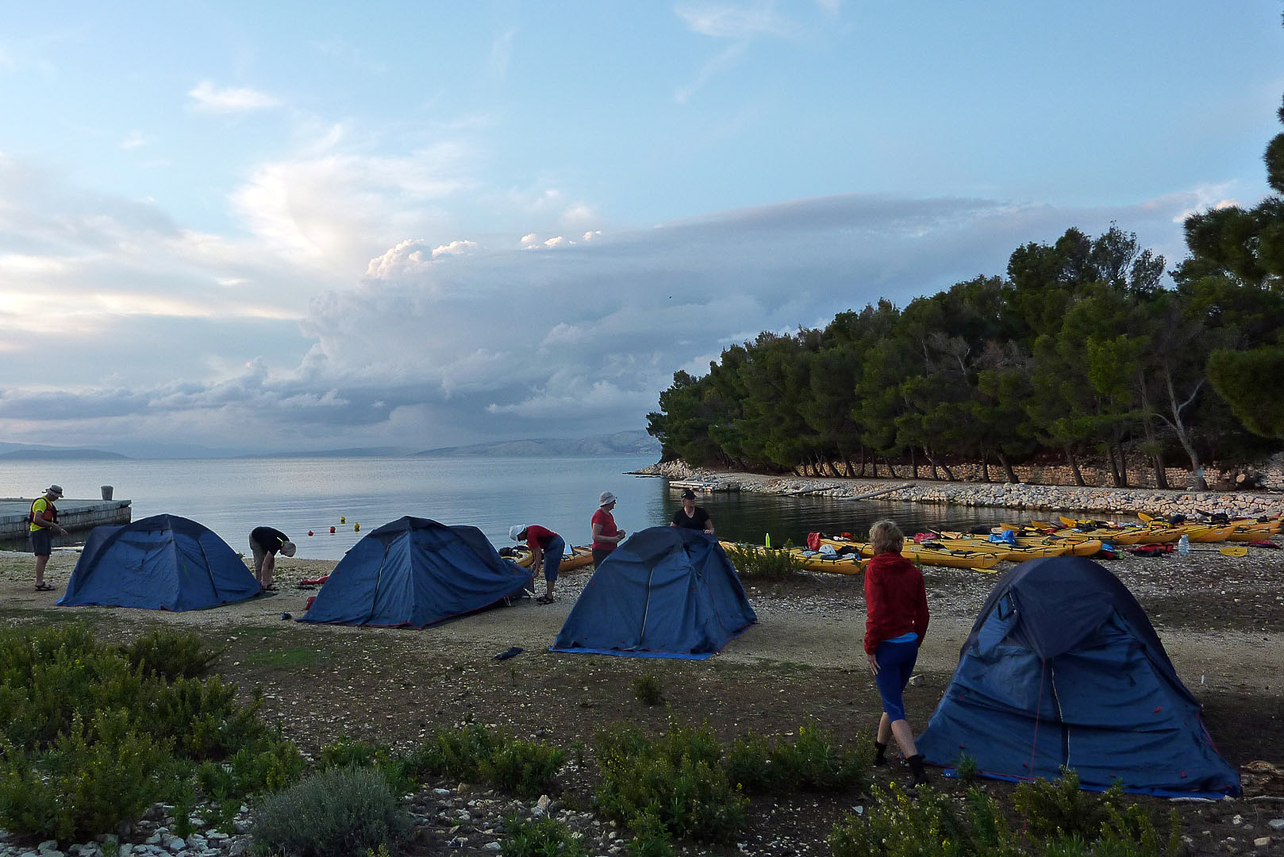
x=357 y=495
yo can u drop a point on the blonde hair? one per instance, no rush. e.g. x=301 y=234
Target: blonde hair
x=886 y=537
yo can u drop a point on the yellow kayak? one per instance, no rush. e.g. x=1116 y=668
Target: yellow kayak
x=1252 y=529
x=976 y=560
x=1024 y=549
x=581 y=556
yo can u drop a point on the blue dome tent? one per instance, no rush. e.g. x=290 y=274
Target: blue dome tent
x=159 y=563
x=1063 y=669
x=666 y=592
x=416 y=572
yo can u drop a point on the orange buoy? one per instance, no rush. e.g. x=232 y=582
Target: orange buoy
x=343 y=519
x=356 y=528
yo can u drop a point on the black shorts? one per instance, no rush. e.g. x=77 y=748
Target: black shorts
x=42 y=541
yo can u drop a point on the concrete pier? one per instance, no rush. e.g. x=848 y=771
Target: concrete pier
x=78 y=516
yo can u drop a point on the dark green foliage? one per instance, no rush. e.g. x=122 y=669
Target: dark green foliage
x=84 y=782
x=1061 y=810
x=1247 y=380
x=335 y=813
x=647 y=689
x=91 y=739
x=474 y=754
x=650 y=839
x=811 y=763
x=897 y=825
x=171 y=654
x=966 y=767
x=542 y=837
x=675 y=783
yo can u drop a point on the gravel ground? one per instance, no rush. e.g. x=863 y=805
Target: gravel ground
x=1221 y=619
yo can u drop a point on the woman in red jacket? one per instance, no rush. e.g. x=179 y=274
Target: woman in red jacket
x=895 y=624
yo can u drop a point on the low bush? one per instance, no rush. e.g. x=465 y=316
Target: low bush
x=764 y=563
x=334 y=813
x=811 y=763
x=171 y=654
x=1061 y=810
x=897 y=825
x=541 y=837
x=346 y=753
x=474 y=754
x=86 y=781
x=647 y=689
x=675 y=784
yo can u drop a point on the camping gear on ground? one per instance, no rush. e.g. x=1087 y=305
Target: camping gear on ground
x=159 y=563
x=931 y=553
x=416 y=572
x=573 y=558
x=1062 y=669
x=665 y=592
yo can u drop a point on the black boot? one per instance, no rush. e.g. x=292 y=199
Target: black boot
x=879 y=750
x=916 y=765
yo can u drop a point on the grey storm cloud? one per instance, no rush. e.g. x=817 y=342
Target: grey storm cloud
x=555 y=341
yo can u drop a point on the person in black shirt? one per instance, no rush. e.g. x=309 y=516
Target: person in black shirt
x=691 y=516
x=265 y=542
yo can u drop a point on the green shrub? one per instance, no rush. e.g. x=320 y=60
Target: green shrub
x=335 y=813
x=679 y=780
x=268 y=765
x=967 y=768
x=811 y=763
x=542 y=837
x=171 y=654
x=204 y=718
x=647 y=689
x=1061 y=810
x=1129 y=832
x=927 y=826
x=474 y=754
x=523 y=767
x=765 y=563
x=89 y=780
x=650 y=837
x=348 y=753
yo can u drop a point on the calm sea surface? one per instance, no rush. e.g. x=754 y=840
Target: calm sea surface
x=295 y=495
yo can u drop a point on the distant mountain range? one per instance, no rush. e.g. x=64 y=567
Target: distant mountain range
x=40 y=454
x=619 y=443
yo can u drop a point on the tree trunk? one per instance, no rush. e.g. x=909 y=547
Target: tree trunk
x=1074 y=466
x=1179 y=426
x=847 y=462
x=1123 y=462
x=1007 y=469
x=1161 y=471
x=913 y=463
x=985 y=467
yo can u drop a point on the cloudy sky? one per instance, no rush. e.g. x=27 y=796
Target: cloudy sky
x=305 y=225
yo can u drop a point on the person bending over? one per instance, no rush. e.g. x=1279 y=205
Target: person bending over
x=265 y=544
x=546 y=548
x=895 y=624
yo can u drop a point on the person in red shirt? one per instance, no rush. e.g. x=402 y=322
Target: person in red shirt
x=606 y=536
x=895 y=624
x=547 y=548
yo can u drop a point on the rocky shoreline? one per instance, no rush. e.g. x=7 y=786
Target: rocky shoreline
x=1109 y=501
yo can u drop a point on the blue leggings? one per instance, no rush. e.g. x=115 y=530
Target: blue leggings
x=553 y=557
x=895 y=664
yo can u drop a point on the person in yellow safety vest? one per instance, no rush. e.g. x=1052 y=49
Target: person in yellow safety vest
x=44 y=523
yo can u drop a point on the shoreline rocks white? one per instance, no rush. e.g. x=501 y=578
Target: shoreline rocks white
x=1008 y=495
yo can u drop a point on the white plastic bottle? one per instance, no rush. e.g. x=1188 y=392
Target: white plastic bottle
x=1183 y=545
